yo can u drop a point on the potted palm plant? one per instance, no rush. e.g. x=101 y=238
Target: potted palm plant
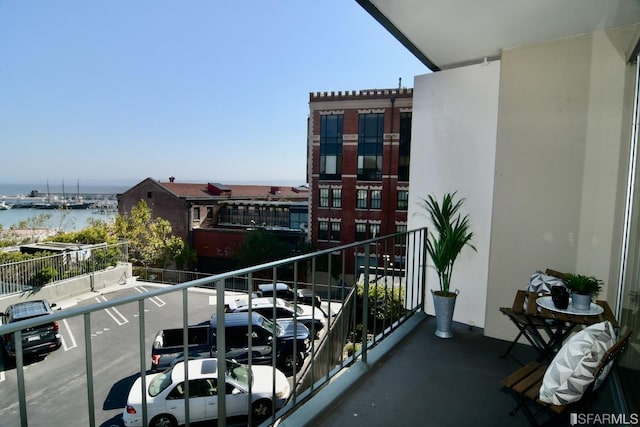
x=583 y=288
x=450 y=233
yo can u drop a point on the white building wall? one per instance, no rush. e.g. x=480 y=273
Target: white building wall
x=561 y=164
x=453 y=149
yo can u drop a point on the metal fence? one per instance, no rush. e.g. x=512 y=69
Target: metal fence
x=382 y=298
x=165 y=276
x=27 y=275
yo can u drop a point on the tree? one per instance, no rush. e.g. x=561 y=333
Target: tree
x=259 y=247
x=97 y=231
x=151 y=242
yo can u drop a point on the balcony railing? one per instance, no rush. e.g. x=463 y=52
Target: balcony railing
x=31 y=274
x=364 y=306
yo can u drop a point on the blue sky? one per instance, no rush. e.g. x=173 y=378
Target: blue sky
x=206 y=91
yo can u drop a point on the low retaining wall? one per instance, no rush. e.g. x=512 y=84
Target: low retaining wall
x=64 y=289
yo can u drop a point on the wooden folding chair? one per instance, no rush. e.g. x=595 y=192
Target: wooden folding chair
x=528 y=326
x=524 y=385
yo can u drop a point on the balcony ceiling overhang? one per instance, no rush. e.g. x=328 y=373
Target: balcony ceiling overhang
x=447 y=34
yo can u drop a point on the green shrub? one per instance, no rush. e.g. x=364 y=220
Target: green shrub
x=46 y=275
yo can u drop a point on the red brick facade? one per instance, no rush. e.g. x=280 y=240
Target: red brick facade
x=393 y=103
x=194 y=211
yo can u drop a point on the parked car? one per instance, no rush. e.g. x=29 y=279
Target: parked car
x=165 y=393
x=284 y=291
x=309 y=316
x=168 y=345
x=39 y=339
x=266 y=336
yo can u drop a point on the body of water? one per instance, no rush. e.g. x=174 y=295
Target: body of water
x=59 y=219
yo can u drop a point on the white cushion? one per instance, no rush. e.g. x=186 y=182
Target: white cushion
x=573 y=368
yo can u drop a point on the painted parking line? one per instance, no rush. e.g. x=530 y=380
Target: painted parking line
x=71 y=337
x=113 y=312
x=156 y=300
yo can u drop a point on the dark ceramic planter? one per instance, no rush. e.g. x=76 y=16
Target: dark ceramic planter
x=560 y=297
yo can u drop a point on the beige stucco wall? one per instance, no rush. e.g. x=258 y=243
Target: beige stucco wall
x=561 y=164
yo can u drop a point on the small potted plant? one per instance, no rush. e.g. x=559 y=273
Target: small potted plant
x=583 y=288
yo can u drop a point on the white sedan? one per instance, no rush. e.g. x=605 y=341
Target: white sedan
x=166 y=393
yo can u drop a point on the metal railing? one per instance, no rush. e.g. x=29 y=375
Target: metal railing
x=379 y=296
x=165 y=276
x=31 y=274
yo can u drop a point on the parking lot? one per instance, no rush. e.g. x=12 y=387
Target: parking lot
x=56 y=388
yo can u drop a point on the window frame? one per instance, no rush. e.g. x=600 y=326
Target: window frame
x=402 y=202
x=323 y=197
x=370 y=146
x=323 y=230
x=334 y=233
x=362 y=202
x=331 y=145
x=375 y=202
x=336 y=197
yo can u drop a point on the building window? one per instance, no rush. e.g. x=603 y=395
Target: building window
x=361 y=202
x=404 y=147
x=324 y=197
x=331 y=146
x=370 y=146
x=323 y=230
x=298 y=220
x=374 y=230
x=361 y=231
x=376 y=199
x=149 y=194
x=335 y=231
x=401 y=239
x=336 y=197
x=209 y=212
x=196 y=213
x=403 y=200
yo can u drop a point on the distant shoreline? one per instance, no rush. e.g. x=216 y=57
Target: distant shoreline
x=13 y=189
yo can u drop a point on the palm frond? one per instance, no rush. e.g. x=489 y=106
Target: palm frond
x=451 y=233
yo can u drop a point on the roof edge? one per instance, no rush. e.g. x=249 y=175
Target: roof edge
x=395 y=32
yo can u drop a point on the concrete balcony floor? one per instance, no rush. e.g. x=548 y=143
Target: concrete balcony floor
x=423 y=380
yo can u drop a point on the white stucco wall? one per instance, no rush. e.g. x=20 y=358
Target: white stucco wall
x=561 y=163
x=453 y=149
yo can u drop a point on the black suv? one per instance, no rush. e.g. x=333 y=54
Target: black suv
x=263 y=334
x=35 y=340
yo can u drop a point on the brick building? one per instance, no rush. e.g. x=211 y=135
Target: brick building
x=359 y=144
x=214 y=218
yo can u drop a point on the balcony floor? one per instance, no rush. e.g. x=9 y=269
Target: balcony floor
x=426 y=380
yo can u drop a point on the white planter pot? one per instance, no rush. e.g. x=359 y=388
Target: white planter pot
x=581 y=301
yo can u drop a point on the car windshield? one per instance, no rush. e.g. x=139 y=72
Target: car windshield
x=238 y=372
x=160 y=382
x=271 y=326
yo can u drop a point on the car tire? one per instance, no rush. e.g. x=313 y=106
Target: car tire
x=163 y=420
x=261 y=410
x=288 y=360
